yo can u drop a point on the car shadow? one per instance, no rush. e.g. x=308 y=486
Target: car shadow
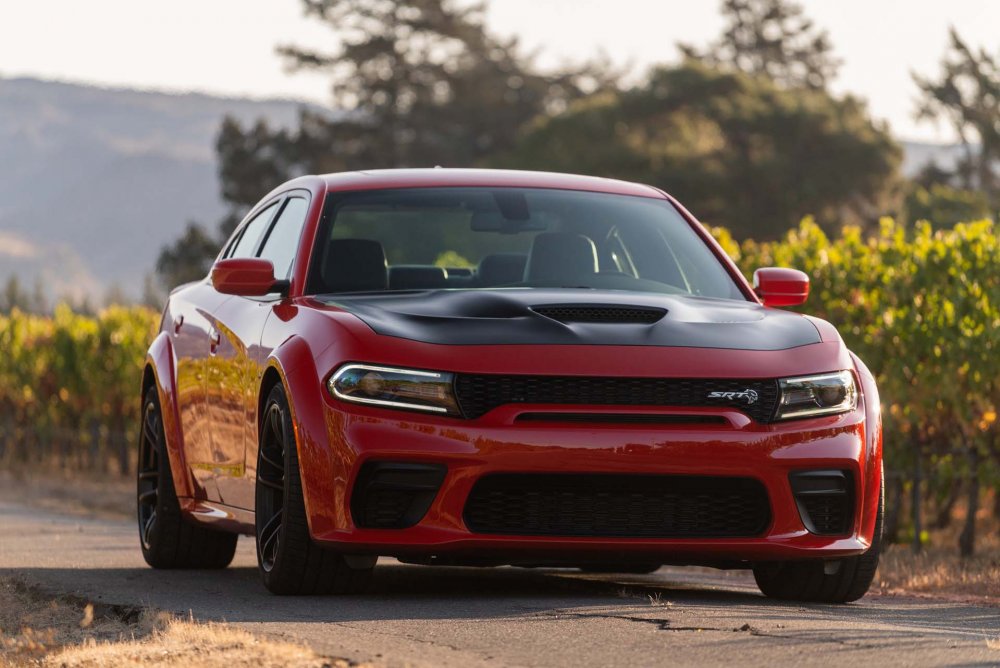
x=403 y=592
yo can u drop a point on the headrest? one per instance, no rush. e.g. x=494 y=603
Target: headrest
x=354 y=265
x=501 y=269
x=558 y=256
x=417 y=277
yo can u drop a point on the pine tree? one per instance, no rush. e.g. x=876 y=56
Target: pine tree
x=774 y=39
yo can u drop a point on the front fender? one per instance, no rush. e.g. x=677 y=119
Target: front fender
x=871 y=486
x=321 y=474
x=160 y=358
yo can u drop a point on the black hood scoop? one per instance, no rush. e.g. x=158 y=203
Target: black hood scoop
x=576 y=317
x=605 y=313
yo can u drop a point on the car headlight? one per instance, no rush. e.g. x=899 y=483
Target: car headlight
x=809 y=396
x=429 y=391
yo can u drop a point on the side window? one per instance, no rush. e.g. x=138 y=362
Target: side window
x=252 y=232
x=283 y=239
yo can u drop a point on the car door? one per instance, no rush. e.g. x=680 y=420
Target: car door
x=190 y=326
x=209 y=448
x=238 y=324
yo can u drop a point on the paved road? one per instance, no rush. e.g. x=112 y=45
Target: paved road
x=439 y=616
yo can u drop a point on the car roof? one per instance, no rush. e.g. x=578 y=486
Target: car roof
x=499 y=178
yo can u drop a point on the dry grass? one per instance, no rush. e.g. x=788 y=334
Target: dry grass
x=938 y=569
x=83 y=494
x=38 y=630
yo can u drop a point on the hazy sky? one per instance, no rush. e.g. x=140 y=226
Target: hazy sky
x=227 y=46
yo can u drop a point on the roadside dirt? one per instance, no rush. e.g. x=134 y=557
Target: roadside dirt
x=41 y=629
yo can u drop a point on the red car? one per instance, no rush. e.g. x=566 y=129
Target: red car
x=490 y=367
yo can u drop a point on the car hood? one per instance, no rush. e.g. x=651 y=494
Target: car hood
x=576 y=317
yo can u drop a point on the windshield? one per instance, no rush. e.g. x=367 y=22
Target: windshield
x=488 y=238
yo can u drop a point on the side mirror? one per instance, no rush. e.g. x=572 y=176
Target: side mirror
x=245 y=277
x=777 y=286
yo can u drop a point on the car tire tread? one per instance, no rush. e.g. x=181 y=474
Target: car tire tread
x=175 y=542
x=807 y=581
x=302 y=567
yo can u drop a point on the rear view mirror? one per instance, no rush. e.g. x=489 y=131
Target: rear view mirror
x=777 y=286
x=494 y=221
x=245 y=277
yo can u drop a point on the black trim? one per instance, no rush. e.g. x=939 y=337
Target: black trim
x=394 y=495
x=825 y=500
x=623 y=418
x=617 y=505
x=617 y=314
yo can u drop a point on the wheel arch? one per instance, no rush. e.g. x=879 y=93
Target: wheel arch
x=293 y=365
x=160 y=371
x=871 y=486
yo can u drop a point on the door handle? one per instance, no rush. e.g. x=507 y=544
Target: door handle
x=178 y=322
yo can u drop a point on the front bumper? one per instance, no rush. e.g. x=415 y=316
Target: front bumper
x=497 y=443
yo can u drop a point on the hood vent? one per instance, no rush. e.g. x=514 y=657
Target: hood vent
x=601 y=313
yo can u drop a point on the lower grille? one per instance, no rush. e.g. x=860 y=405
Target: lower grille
x=627 y=506
x=825 y=500
x=394 y=495
x=478 y=394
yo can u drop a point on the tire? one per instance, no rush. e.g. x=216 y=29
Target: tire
x=630 y=569
x=290 y=563
x=808 y=580
x=167 y=539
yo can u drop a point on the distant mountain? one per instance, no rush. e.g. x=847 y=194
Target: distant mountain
x=94 y=181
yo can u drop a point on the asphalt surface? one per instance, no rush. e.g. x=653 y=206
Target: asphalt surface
x=437 y=616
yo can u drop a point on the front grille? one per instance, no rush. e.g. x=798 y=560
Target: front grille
x=825 y=500
x=621 y=315
x=626 y=506
x=480 y=393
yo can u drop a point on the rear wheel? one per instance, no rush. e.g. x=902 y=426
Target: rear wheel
x=167 y=539
x=835 y=581
x=288 y=560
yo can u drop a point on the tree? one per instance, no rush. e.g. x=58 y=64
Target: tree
x=187 y=259
x=774 y=39
x=967 y=95
x=414 y=83
x=422 y=82
x=739 y=150
x=943 y=205
x=14 y=296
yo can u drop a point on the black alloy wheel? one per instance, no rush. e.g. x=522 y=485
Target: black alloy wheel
x=270 y=486
x=288 y=559
x=167 y=539
x=149 y=472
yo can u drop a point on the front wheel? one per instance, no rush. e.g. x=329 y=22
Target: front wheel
x=167 y=539
x=819 y=581
x=288 y=560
